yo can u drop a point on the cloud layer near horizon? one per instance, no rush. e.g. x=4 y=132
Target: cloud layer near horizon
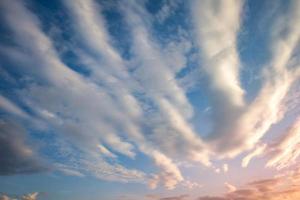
x=106 y=104
x=284 y=186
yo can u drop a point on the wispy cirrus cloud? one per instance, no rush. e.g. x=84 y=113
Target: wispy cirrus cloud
x=285 y=152
x=281 y=153
x=24 y=26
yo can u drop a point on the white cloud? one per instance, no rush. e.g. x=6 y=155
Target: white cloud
x=256 y=152
x=285 y=151
x=87 y=113
x=138 y=106
x=86 y=103
x=91 y=27
x=10 y=107
x=30 y=196
x=167 y=9
x=217 y=25
x=244 y=124
x=67 y=170
x=105 y=151
x=225 y=168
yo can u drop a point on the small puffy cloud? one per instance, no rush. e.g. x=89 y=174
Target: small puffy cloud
x=30 y=196
x=4 y=197
x=225 y=167
x=191 y=184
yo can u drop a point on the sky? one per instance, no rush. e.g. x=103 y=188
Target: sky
x=150 y=100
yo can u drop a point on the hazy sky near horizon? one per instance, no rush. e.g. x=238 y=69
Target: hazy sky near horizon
x=149 y=99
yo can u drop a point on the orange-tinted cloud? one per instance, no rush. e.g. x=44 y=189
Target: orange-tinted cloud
x=285 y=187
x=282 y=187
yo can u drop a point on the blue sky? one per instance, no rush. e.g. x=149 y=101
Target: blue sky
x=151 y=99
